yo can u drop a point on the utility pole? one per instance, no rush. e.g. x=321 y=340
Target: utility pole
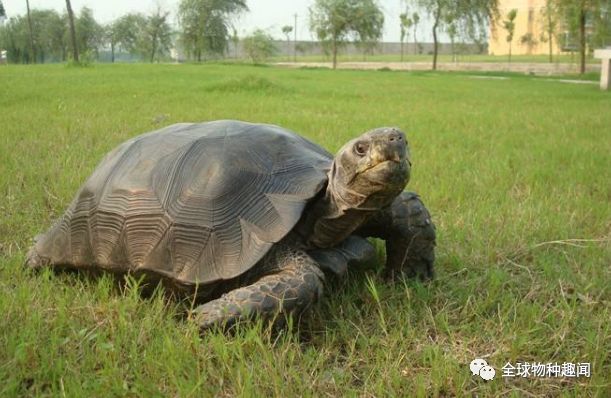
x=295 y=40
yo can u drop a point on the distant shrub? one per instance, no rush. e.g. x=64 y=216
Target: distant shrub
x=259 y=46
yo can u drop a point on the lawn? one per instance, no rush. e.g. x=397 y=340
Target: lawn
x=516 y=173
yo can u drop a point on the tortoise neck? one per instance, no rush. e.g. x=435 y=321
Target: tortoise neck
x=332 y=220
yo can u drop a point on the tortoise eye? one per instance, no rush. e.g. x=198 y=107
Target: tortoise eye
x=360 y=148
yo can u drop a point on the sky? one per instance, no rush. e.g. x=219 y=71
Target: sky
x=269 y=15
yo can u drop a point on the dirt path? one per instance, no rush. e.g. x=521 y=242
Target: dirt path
x=530 y=68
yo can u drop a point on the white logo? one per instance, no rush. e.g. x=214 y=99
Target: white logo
x=476 y=365
x=480 y=367
x=487 y=372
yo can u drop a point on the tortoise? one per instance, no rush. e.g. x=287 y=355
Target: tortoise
x=251 y=218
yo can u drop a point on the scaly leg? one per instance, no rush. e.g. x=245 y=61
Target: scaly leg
x=295 y=286
x=410 y=237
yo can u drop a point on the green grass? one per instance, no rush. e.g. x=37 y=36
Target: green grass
x=516 y=174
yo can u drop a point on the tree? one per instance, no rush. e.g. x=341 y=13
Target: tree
x=88 y=32
x=406 y=23
x=235 y=39
x=2 y=12
x=580 y=13
x=549 y=18
x=510 y=26
x=47 y=40
x=336 y=21
x=528 y=40
x=128 y=33
x=32 y=50
x=49 y=33
x=259 y=46
x=452 y=31
x=416 y=21
x=205 y=25
x=286 y=30
x=72 y=32
x=155 y=35
x=470 y=17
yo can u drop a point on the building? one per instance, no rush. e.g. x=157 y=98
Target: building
x=529 y=36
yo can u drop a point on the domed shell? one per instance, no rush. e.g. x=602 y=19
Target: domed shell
x=196 y=203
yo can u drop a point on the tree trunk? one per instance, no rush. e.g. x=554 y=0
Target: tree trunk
x=435 y=44
x=153 y=46
x=112 y=52
x=32 y=57
x=509 y=52
x=582 y=39
x=72 y=31
x=415 y=41
x=551 y=60
x=334 y=49
x=401 y=50
x=550 y=36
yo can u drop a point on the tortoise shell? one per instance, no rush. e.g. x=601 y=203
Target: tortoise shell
x=196 y=203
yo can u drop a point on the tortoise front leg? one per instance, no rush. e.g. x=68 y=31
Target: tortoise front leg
x=293 y=288
x=410 y=237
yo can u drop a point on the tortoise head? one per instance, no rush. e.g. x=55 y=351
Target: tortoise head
x=370 y=171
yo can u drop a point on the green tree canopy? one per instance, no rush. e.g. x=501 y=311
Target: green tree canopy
x=336 y=21
x=155 y=37
x=469 y=17
x=48 y=36
x=259 y=46
x=587 y=20
x=205 y=25
x=88 y=32
x=509 y=25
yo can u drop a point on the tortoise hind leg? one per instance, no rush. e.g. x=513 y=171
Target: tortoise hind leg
x=295 y=286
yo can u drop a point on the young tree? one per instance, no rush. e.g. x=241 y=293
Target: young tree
x=416 y=21
x=31 y=30
x=406 y=23
x=471 y=16
x=452 y=31
x=88 y=32
x=72 y=32
x=369 y=25
x=156 y=34
x=549 y=18
x=510 y=26
x=529 y=41
x=286 y=30
x=579 y=14
x=259 y=46
x=128 y=33
x=205 y=25
x=235 y=39
x=335 y=21
x=49 y=33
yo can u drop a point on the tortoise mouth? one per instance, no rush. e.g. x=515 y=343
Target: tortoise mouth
x=389 y=166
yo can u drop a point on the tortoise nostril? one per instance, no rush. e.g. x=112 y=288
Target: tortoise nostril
x=394 y=136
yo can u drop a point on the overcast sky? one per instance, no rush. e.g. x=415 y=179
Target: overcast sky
x=270 y=15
